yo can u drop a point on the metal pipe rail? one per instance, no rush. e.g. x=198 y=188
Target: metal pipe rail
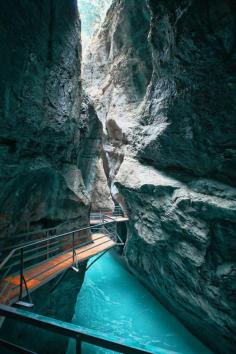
x=80 y=334
x=109 y=217
x=46 y=232
x=27 y=256
x=37 y=242
x=116 y=211
x=110 y=229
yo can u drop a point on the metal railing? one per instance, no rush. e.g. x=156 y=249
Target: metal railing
x=27 y=256
x=29 y=236
x=98 y=214
x=109 y=228
x=117 y=211
x=80 y=334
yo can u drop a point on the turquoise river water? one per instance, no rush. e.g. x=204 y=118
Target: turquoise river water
x=113 y=301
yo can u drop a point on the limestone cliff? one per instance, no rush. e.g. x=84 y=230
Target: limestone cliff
x=50 y=138
x=42 y=131
x=115 y=75
x=162 y=75
x=101 y=196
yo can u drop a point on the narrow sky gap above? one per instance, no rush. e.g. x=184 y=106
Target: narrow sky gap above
x=92 y=12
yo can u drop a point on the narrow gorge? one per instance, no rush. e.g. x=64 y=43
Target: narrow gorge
x=134 y=110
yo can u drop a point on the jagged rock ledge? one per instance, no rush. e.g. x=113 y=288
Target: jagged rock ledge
x=177 y=246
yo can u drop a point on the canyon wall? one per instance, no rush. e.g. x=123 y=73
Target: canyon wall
x=116 y=76
x=162 y=76
x=43 y=123
x=48 y=128
x=55 y=299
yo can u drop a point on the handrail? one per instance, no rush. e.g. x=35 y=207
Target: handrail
x=42 y=272
x=114 y=233
x=34 y=243
x=23 y=257
x=37 y=242
x=81 y=334
x=116 y=207
x=7 y=258
x=29 y=233
x=42 y=231
x=110 y=217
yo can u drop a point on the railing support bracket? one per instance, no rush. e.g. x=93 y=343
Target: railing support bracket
x=75 y=268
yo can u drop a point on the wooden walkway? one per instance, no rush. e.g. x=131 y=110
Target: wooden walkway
x=41 y=273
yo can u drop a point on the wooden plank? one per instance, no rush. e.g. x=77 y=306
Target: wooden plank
x=100 y=248
x=51 y=262
x=41 y=273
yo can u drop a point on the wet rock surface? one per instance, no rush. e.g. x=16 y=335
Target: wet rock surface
x=42 y=128
x=171 y=151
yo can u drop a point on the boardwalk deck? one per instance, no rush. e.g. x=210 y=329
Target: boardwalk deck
x=41 y=273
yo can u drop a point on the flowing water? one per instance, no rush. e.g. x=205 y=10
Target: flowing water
x=113 y=301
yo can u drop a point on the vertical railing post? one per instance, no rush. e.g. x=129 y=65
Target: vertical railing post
x=102 y=221
x=21 y=272
x=78 y=345
x=74 y=264
x=23 y=283
x=73 y=246
x=47 y=255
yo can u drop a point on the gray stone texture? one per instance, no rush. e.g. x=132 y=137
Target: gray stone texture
x=172 y=151
x=42 y=131
x=48 y=128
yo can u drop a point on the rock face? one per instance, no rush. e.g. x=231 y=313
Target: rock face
x=50 y=138
x=101 y=196
x=92 y=13
x=191 y=127
x=115 y=75
x=42 y=132
x=181 y=243
x=162 y=75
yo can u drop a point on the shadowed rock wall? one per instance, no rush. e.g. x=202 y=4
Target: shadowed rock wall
x=55 y=299
x=48 y=128
x=174 y=157
x=42 y=131
x=116 y=75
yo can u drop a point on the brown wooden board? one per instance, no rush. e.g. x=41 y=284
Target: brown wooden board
x=43 y=272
